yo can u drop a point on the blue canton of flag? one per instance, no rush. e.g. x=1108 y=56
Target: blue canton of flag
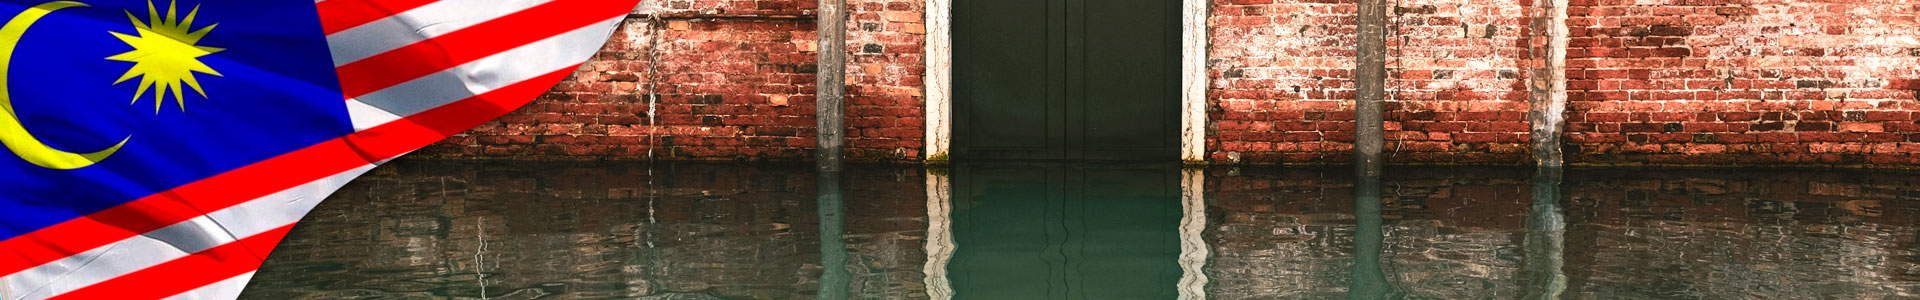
x=269 y=89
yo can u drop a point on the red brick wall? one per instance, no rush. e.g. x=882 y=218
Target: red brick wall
x=1282 y=81
x=736 y=82
x=886 y=65
x=1650 y=81
x=1743 y=81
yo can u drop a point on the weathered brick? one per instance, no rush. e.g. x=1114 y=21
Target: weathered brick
x=1650 y=81
x=1783 y=79
x=743 y=85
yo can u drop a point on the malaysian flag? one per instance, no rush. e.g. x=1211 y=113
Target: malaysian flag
x=161 y=148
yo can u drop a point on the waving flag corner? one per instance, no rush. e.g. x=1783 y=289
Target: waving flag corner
x=161 y=149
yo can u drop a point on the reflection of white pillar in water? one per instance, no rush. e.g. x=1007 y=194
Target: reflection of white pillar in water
x=480 y=252
x=1546 y=236
x=939 y=244
x=1193 y=246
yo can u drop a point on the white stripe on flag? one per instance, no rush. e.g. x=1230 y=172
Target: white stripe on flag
x=483 y=75
x=176 y=241
x=416 y=25
x=366 y=116
x=223 y=290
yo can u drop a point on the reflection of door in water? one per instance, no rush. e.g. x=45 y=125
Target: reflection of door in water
x=1066 y=79
x=1040 y=232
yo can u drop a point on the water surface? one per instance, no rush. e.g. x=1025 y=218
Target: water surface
x=535 y=230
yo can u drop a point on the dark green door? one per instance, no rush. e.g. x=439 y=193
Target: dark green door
x=1066 y=79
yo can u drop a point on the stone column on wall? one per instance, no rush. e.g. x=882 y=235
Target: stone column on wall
x=1370 y=95
x=831 y=84
x=1547 y=105
x=830 y=91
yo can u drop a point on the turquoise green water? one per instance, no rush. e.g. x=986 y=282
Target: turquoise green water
x=524 y=230
x=1051 y=232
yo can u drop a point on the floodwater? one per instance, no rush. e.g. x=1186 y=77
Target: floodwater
x=542 y=230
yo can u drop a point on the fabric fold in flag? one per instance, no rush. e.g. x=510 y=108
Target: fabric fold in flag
x=161 y=148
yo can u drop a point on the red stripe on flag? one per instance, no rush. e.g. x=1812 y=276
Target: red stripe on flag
x=340 y=15
x=186 y=273
x=474 y=42
x=267 y=176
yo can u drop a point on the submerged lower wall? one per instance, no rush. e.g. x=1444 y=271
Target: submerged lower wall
x=1829 y=82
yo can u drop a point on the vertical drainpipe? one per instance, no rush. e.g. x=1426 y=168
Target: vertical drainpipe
x=1547 y=105
x=1370 y=75
x=831 y=84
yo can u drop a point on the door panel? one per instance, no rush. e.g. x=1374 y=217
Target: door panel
x=1066 y=79
x=1130 y=56
x=1014 y=85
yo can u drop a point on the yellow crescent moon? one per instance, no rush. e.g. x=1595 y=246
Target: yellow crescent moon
x=14 y=135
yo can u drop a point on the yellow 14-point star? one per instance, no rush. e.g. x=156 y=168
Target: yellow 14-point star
x=165 y=55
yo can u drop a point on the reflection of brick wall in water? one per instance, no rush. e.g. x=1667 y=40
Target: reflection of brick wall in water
x=584 y=233
x=413 y=229
x=1456 y=236
x=1635 y=234
x=1757 y=235
x=1274 y=241
x=886 y=234
x=1276 y=235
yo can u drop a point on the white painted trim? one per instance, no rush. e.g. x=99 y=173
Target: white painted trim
x=1193 y=79
x=939 y=78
